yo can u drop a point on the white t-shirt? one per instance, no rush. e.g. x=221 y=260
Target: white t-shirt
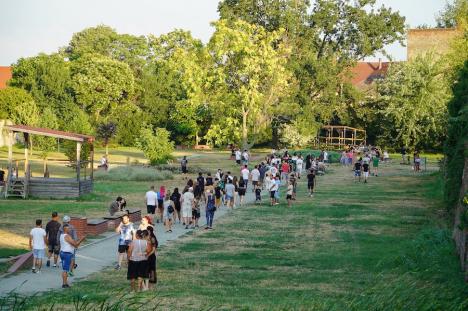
x=245 y=173
x=187 y=199
x=299 y=163
x=151 y=198
x=38 y=235
x=325 y=156
x=238 y=155
x=273 y=170
x=245 y=155
x=255 y=174
x=273 y=186
x=366 y=160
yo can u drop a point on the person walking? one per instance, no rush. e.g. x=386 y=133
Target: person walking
x=138 y=252
x=241 y=189
x=72 y=231
x=230 y=190
x=299 y=164
x=210 y=209
x=187 y=205
x=183 y=167
x=126 y=233
x=168 y=213
x=285 y=171
x=175 y=197
x=375 y=165
x=365 y=167
x=289 y=193
x=245 y=175
x=37 y=243
x=151 y=200
x=358 y=170
x=311 y=182
x=52 y=229
x=152 y=269
x=68 y=246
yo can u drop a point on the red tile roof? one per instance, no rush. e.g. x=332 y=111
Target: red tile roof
x=5 y=75
x=364 y=73
x=49 y=132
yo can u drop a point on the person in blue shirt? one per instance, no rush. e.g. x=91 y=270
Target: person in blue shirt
x=127 y=234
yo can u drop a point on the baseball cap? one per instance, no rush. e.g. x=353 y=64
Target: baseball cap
x=66 y=218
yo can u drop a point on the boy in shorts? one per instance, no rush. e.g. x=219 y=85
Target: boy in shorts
x=311 y=182
x=127 y=234
x=365 y=169
x=196 y=213
x=258 y=194
x=37 y=243
x=357 y=170
x=289 y=193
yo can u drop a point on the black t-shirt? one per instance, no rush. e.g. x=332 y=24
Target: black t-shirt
x=218 y=192
x=175 y=197
x=209 y=181
x=310 y=178
x=357 y=166
x=52 y=228
x=183 y=163
x=365 y=167
x=201 y=181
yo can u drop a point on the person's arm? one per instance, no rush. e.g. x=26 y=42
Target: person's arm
x=30 y=241
x=130 y=250
x=149 y=249
x=46 y=242
x=73 y=242
x=119 y=228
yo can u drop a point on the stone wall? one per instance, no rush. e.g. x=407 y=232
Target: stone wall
x=421 y=41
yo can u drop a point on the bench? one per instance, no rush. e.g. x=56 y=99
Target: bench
x=96 y=226
x=134 y=214
x=202 y=147
x=114 y=220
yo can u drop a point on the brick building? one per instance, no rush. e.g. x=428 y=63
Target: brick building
x=5 y=75
x=421 y=41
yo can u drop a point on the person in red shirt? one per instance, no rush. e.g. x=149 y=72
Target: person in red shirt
x=284 y=171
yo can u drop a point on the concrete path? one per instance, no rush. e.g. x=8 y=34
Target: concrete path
x=93 y=258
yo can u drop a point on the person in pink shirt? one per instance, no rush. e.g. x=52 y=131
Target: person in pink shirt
x=350 y=157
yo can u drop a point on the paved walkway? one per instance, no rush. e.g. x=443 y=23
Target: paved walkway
x=92 y=258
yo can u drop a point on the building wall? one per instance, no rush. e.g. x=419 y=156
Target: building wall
x=5 y=75
x=421 y=41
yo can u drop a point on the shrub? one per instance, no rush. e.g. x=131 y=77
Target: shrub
x=156 y=147
x=133 y=173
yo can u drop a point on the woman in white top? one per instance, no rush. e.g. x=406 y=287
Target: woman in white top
x=168 y=212
x=138 y=253
x=67 y=251
x=187 y=205
x=299 y=163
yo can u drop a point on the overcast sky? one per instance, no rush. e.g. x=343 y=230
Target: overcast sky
x=28 y=27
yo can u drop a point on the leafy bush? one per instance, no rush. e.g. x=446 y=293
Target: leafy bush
x=156 y=147
x=133 y=173
x=70 y=152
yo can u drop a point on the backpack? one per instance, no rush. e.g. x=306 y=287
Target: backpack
x=170 y=209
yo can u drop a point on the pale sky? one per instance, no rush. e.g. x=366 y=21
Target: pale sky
x=28 y=27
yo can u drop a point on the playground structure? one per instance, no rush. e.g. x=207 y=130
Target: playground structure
x=338 y=136
x=45 y=187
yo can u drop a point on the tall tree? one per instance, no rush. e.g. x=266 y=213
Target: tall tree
x=18 y=106
x=412 y=103
x=250 y=63
x=327 y=38
x=453 y=13
x=99 y=83
x=106 y=131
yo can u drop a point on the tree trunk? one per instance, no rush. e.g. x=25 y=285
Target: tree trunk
x=274 y=135
x=107 y=149
x=244 y=129
x=197 y=139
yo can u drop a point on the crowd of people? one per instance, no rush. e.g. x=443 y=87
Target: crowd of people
x=137 y=244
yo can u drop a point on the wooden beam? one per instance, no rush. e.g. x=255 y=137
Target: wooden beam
x=91 y=155
x=78 y=162
x=10 y=149
x=26 y=151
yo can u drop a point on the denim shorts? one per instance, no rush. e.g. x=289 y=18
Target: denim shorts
x=66 y=259
x=39 y=253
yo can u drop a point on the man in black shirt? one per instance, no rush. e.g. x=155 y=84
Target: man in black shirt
x=201 y=184
x=311 y=182
x=357 y=169
x=52 y=228
x=365 y=169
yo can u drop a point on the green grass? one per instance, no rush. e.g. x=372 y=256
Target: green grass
x=354 y=246
x=133 y=173
x=10 y=252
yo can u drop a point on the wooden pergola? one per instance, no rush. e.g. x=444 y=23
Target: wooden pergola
x=47 y=187
x=340 y=136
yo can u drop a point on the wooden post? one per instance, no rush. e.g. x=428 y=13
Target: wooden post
x=91 y=155
x=26 y=152
x=10 y=151
x=354 y=138
x=78 y=162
